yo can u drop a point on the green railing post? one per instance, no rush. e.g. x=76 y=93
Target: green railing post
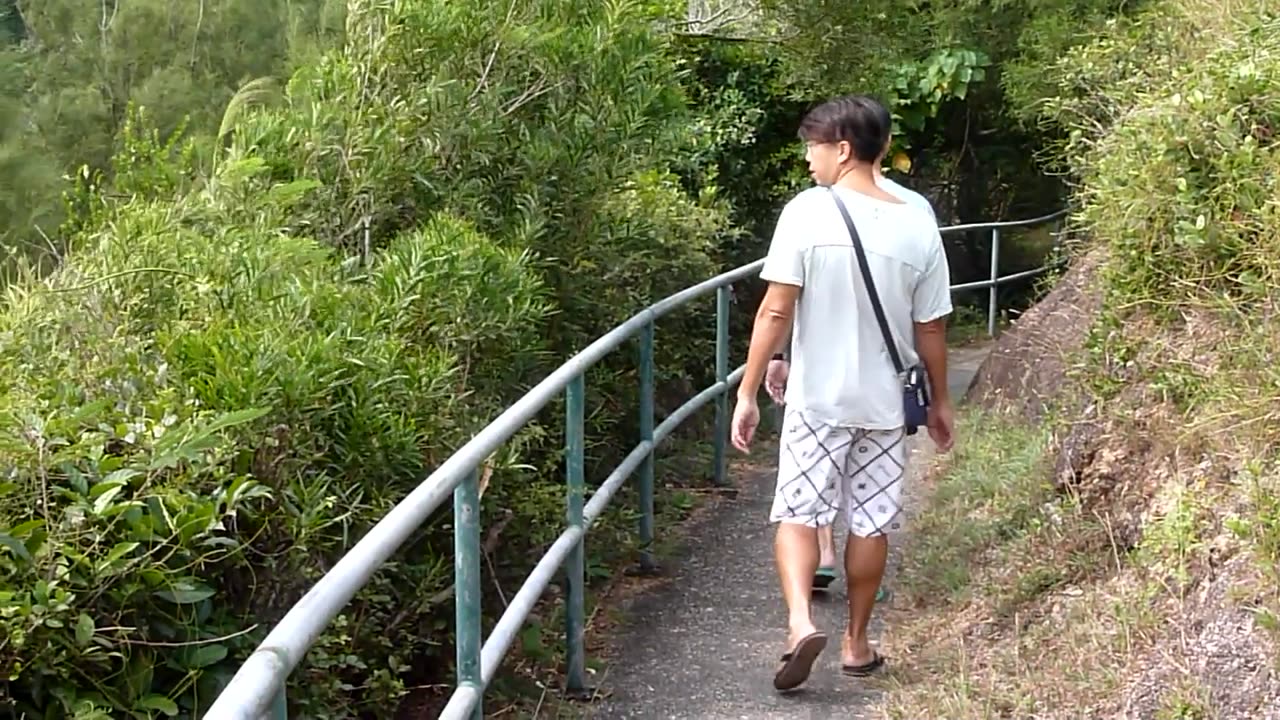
x=722 y=374
x=646 y=435
x=575 y=565
x=280 y=706
x=995 y=278
x=466 y=568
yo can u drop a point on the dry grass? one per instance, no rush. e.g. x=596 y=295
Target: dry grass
x=1119 y=589
x=1010 y=584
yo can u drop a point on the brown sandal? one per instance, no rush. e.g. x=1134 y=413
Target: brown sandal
x=865 y=670
x=797 y=664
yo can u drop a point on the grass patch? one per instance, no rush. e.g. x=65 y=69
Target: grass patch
x=1259 y=528
x=968 y=325
x=1187 y=700
x=1002 y=619
x=992 y=491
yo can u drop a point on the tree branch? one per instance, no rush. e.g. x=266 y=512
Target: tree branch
x=534 y=92
x=488 y=66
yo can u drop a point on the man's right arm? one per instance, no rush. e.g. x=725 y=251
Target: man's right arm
x=931 y=346
x=785 y=263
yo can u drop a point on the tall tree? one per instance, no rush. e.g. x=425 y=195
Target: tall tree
x=66 y=90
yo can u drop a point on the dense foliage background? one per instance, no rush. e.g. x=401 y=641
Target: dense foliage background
x=270 y=262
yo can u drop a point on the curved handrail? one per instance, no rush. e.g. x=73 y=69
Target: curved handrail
x=1008 y=223
x=257 y=688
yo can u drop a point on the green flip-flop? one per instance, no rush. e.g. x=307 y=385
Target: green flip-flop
x=823 y=578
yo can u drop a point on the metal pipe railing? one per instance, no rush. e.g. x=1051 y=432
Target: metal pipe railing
x=257 y=690
x=995 y=280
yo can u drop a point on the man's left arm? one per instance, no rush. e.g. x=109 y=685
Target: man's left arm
x=931 y=346
x=931 y=303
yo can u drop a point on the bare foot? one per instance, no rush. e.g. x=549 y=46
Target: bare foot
x=799 y=632
x=855 y=654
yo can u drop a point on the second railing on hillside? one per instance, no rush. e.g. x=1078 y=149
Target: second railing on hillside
x=258 y=688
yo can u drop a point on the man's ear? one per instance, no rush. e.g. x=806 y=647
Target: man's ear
x=844 y=151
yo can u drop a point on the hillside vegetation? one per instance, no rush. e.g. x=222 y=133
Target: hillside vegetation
x=1119 y=557
x=231 y=376
x=69 y=70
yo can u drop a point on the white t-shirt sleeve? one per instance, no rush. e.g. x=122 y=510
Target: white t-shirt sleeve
x=929 y=209
x=932 y=297
x=785 y=262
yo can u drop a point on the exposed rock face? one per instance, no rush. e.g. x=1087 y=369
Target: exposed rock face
x=1213 y=657
x=1029 y=365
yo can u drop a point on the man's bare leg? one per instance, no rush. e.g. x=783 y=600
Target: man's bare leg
x=827 y=546
x=827 y=561
x=796 y=552
x=864 y=560
x=796 y=548
x=826 y=572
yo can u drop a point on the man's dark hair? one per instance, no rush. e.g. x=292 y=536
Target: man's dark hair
x=859 y=120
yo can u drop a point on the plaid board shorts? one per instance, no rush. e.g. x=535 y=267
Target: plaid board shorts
x=823 y=469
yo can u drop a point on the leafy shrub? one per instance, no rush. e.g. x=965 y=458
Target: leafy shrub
x=1168 y=125
x=186 y=449
x=69 y=77
x=555 y=128
x=233 y=375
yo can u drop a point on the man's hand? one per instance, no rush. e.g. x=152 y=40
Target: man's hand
x=931 y=345
x=773 y=318
x=746 y=417
x=775 y=379
x=942 y=425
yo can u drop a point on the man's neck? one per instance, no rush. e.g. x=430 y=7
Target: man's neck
x=860 y=177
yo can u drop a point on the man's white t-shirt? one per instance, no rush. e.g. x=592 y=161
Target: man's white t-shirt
x=906 y=195
x=841 y=373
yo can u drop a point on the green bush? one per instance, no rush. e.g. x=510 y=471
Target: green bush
x=186 y=448
x=68 y=78
x=555 y=128
x=1183 y=181
x=1167 y=122
x=234 y=374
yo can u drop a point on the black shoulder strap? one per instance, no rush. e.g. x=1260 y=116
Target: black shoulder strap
x=871 y=285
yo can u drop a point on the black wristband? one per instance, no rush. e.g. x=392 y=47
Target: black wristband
x=780 y=356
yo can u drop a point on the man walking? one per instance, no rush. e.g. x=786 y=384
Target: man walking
x=775 y=382
x=842 y=444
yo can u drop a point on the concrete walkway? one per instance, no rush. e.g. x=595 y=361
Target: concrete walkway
x=705 y=644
